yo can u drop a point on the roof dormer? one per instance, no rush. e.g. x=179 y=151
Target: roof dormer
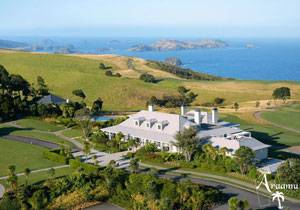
x=150 y=122
x=138 y=121
x=162 y=124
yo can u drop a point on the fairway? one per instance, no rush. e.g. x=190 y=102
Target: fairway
x=22 y=156
x=64 y=73
x=268 y=134
x=39 y=125
x=286 y=116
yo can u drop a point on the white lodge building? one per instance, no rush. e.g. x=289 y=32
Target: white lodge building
x=160 y=128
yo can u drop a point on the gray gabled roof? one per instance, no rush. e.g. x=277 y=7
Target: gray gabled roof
x=51 y=99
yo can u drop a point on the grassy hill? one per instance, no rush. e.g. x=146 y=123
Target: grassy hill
x=64 y=73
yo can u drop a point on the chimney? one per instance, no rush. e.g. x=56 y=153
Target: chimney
x=197 y=116
x=150 y=108
x=214 y=116
x=182 y=110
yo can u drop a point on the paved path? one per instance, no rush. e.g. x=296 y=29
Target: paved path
x=30 y=140
x=59 y=133
x=227 y=185
x=258 y=116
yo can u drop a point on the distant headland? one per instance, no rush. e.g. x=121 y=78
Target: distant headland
x=168 y=45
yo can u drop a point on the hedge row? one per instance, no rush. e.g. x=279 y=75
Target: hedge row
x=54 y=156
x=88 y=168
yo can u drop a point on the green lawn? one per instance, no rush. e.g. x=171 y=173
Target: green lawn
x=39 y=125
x=72 y=133
x=22 y=156
x=286 y=116
x=278 y=138
x=39 y=176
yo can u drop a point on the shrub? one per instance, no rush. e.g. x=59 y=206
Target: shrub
x=100 y=193
x=148 y=78
x=54 y=155
x=109 y=73
x=88 y=168
x=69 y=201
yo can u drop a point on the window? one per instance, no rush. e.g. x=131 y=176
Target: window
x=159 y=127
x=136 y=123
x=148 y=125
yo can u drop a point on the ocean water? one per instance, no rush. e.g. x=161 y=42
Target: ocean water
x=269 y=59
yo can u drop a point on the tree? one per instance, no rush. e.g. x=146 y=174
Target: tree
x=42 y=88
x=218 y=101
x=27 y=172
x=134 y=165
x=79 y=93
x=97 y=105
x=118 y=138
x=187 y=142
x=12 y=177
x=236 y=106
x=86 y=128
x=257 y=104
x=148 y=78
x=210 y=151
x=109 y=73
x=283 y=93
x=235 y=204
x=87 y=148
x=288 y=171
x=245 y=157
x=182 y=90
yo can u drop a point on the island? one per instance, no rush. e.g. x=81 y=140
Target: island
x=169 y=45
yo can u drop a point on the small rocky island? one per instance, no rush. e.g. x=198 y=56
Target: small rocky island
x=173 y=61
x=168 y=45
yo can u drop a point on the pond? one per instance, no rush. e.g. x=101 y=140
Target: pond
x=102 y=118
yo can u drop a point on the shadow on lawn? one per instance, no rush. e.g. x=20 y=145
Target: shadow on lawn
x=8 y=130
x=277 y=149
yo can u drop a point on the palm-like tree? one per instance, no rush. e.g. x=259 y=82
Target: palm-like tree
x=210 y=151
x=118 y=138
x=134 y=164
x=87 y=148
x=280 y=197
x=133 y=143
x=27 y=172
x=12 y=177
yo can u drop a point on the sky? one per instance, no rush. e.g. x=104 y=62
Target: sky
x=199 y=18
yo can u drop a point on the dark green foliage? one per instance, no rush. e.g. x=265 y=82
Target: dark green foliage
x=79 y=93
x=283 y=93
x=87 y=168
x=148 y=78
x=118 y=186
x=218 y=101
x=109 y=73
x=289 y=171
x=185 y=97
x=187 y=141
x=97 y=106
x=245 y=157
x=58 y=155
x=102 y=66
x=42 y=88
x=182 y=72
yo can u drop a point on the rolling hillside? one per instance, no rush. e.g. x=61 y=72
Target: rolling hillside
x=64 y=73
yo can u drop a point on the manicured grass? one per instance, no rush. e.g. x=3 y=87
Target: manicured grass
x=65 y=73
x=39 y=125
x=22 y=156
x=72 y=133
x=286 y=116
x=40 y=176
x=278 y=138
